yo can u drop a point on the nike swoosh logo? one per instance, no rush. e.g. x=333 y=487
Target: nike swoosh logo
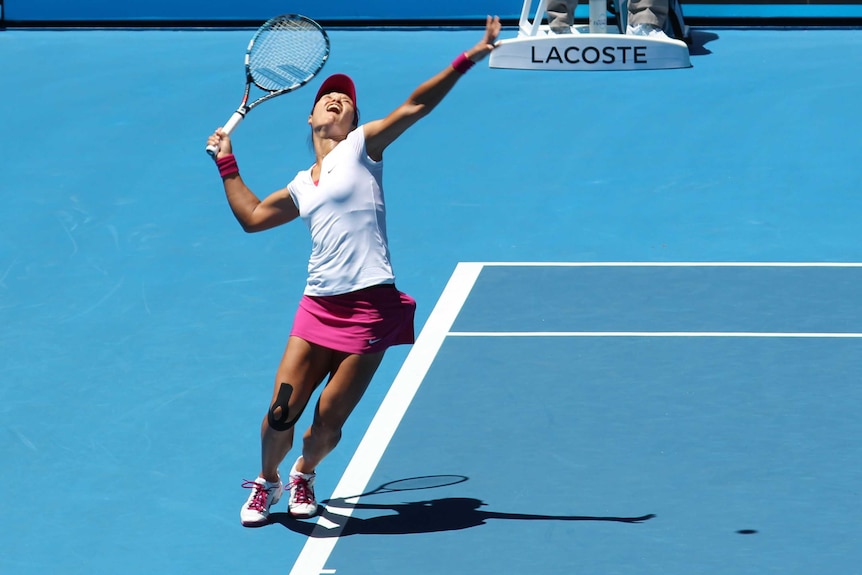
x=373 y=341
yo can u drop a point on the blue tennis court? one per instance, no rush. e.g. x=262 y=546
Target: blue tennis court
x=609 y=447
x=638 y=301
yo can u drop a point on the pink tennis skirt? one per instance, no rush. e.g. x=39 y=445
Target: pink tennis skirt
x=365 y=321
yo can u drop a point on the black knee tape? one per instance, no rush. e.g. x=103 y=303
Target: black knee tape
x=278 y=416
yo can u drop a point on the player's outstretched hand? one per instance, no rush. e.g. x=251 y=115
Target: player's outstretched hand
x=489 y=40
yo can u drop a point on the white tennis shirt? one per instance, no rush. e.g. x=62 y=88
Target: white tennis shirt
x=346 y=216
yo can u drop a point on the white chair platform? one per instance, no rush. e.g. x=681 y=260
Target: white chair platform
x=537 y=48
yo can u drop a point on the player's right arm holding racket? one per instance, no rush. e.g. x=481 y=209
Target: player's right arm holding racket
x=252 y=214
x=285 y=53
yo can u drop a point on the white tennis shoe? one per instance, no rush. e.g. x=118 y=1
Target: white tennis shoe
x=302 y=503
x=264 y=494
x=648 y=30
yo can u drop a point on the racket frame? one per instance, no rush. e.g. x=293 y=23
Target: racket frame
x=245 y=107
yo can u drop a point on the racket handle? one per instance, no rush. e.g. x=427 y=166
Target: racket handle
x=232 y=123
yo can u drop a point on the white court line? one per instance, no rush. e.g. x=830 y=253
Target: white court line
x=648 y=334
x=679 y=264
x=316 y=551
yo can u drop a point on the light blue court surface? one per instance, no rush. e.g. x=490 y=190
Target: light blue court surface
x=597 y=418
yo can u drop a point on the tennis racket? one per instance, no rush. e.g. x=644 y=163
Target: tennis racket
x=285 y=53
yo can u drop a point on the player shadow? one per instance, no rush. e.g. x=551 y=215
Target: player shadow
x=698 y=42
x=427 y=516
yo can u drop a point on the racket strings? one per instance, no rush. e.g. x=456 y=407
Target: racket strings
x=287 y=54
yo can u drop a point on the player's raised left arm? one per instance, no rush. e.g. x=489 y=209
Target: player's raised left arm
x=380 y=133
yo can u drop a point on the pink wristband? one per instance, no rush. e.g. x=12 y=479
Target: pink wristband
x=462 y=63
x=227 y=166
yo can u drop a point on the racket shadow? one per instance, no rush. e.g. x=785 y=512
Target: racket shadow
x=415 y=517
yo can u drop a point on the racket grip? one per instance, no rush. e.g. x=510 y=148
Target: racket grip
x=232 y=123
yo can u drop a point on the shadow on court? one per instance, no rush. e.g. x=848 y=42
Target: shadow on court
x=426 y=516
x=699 y=40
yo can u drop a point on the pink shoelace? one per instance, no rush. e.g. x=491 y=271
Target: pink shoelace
x=260 y=496
x=304 y=493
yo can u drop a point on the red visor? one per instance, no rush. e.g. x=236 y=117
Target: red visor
x=340 y=83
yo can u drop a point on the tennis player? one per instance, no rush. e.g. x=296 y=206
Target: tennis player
x=351 y=311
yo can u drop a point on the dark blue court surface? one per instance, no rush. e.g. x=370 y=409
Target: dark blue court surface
x=663 y=419
x=622 y=451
